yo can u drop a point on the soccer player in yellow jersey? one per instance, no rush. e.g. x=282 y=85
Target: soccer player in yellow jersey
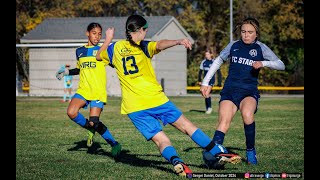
x=92 y=88
x=143 y=99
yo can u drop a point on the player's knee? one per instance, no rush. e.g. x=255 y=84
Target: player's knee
x=72 y=113
x=247 y=116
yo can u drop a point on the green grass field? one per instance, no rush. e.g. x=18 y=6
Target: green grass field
x=51 y=146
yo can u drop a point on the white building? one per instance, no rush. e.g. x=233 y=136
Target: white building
x=66 y=34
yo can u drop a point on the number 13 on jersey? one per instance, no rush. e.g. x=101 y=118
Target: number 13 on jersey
x=132 y=62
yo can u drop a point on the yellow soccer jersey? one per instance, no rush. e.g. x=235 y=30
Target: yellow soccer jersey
x=139 y=86
x=93 y=79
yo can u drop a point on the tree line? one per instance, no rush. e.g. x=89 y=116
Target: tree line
x=207 y=21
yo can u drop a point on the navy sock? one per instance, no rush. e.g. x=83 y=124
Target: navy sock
x=208 y=102
x=250 y=133
x=170 y=154
x=203 y=141
x=80 y=119
x=218 y=137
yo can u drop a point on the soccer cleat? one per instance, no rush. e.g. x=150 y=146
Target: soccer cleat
x=182 y=169
x=90 y=137
x=211 y=161
x=252 y=157
x=116 y=150
x=224 y=158
x=209 y=111
x=219 y=160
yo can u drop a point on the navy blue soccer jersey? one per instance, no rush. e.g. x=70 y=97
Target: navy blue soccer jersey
x=241 y=73
x=242 y=56
x=204 y=67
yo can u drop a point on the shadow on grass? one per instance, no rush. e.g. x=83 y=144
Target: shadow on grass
x=124 y=157
x=229 y=149
x=195 y=110
x=134 y=159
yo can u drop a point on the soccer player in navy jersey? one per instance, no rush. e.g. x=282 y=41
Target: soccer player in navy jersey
x=204 y=67
x=240 y=91
x=92 y=89
x=143 y=99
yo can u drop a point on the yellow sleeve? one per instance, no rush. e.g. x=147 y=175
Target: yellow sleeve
x=152 y=48
x=104 y=56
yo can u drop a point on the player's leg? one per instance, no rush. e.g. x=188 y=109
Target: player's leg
x=91 y=130
x=69 y=94
x=170 y=154
x=100 y=128
x=175 y=117
x=200 y=138
x=96 y=108
x=94 y=111
x=76 y=103
x=208 y=105
x=74 y=114
x=151 y=129
x=64 y=95
x=227 y=110
x=248 y=107
x=204 y=141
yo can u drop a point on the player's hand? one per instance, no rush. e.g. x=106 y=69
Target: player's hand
x=199 y=83
x=62 y=72
x=110 y=33
x=205 y=91
x=186 y=42
x=257 y=65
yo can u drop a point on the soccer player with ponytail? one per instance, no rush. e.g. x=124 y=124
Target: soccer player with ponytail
x=143 y=99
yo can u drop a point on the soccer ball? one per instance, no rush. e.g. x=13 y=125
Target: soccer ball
x=211 y=161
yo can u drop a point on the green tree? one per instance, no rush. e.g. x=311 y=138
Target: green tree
x=281 y=21
x=285 y=34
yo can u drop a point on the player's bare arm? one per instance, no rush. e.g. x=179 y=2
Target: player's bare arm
x=108 y=40
x=164 y=44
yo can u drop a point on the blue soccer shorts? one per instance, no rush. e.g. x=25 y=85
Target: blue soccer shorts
x=93 y=103
x=147 y=121
x=237 y=95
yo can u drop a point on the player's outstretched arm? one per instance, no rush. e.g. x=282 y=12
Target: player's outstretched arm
x=65 y=71
x=108 y=40
x=164 y=44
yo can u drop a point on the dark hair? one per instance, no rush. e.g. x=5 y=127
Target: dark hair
x=249 y=20
x=133 y=24
x=209 y=51
x=93 y=25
